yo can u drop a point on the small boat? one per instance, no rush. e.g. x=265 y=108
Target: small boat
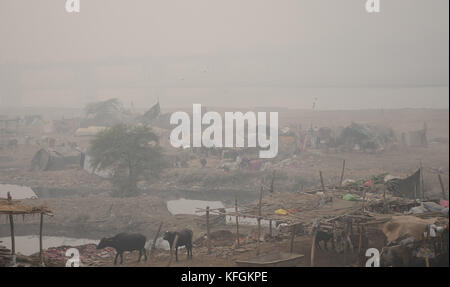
x=273 y=260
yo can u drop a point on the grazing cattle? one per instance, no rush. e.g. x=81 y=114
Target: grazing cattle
x=396 y=256
x=184 y=239
x=125 y=242
x=325 y=237
x=399 y=254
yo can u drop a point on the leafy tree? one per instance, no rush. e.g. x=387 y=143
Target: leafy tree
x=130 y=152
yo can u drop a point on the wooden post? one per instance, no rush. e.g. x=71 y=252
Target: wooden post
x=208 y=242
x=273 y=181
x=13 y=240
x=345 y=243
x=415 y=192
x=259 y=220
x=291 y=249
x=384 y=202
x=313 y=245
x=172 y=249
x=442 y=187
x=360 y=240
x=321 y=181
x=270 y=227
x=361 y=246
x=364 y=199
x=351 y=228
x=342 y=174
x=427 y=260
x=325 y=192
x=237 y=220
x=41 y=253
x=335 y=235
x=422 y=186
x=154 y=240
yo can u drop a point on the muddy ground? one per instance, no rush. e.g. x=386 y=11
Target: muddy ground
x=84 y=208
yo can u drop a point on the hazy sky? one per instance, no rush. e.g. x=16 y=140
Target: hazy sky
x=226 y=53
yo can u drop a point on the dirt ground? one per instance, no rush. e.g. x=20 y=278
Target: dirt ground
x=83 y=206
x=219 y=258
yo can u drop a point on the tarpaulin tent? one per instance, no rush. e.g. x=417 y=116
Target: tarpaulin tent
x=46 y=159
x=408 y=187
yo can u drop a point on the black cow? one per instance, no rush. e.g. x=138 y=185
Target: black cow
x=125 y=242
x=184 y=239
x=325 y=237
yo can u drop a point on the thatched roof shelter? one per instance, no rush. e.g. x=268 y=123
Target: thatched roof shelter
x=16 y=207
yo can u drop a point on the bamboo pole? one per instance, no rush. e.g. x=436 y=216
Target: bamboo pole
x=41 y=253
x=237 y=220
x=442 y=187
x=427 y=260
x=415 y=191
x=273 y=181
x=321 y=181
x=313 y=245
x=422 y=185
x=259 y=220
x=364 y=199
x=342 y=174
x=154 y=239
x=208 y=242
x=270 y=227
x=362 y=234
x=291 y=249
x=345 y=244
x=325 y=192
x=13 y=240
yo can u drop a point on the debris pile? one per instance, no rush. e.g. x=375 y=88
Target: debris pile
x=6 y=259
x=89 y=255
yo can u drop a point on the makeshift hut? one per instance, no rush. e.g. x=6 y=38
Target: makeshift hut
x=46 y=159
x=11 y=208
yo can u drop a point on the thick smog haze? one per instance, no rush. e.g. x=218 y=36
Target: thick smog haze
x=225 y=53
x=224 y=134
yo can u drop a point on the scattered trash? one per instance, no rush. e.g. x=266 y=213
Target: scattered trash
x=368 y=183
x=349 y=197
x=281 y=211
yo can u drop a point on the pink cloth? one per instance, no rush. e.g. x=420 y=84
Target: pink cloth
x=368 y=183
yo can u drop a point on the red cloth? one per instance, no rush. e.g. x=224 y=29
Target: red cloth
x=368 y=183
x=443 y=203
